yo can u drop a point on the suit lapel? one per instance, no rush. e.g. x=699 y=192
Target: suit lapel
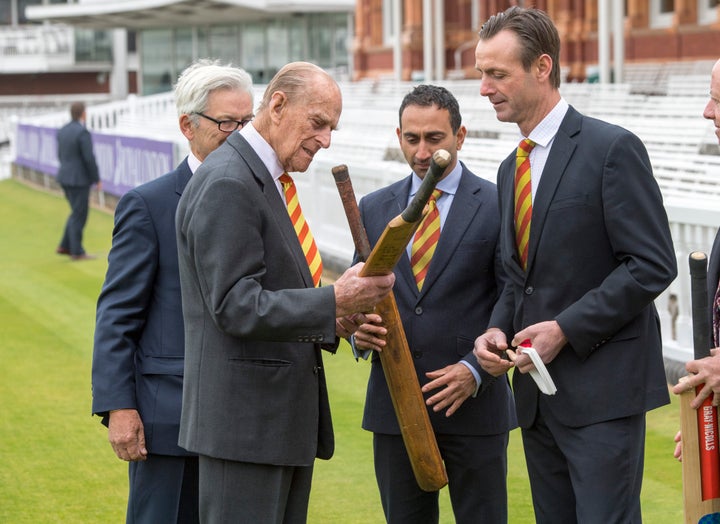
x=560 y=153
x=396 y=204
x=183 y=176
x=276 y=203
x=506 y=189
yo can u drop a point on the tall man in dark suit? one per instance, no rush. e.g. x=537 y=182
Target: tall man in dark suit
x=255 y=405
x=707 y=370
x=137 y=372
x=582 y=291
x=77 y=172
x=471 y=411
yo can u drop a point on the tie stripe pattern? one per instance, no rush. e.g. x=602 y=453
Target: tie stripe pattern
x=523 y=199
x=425 y=240
x=312 y=255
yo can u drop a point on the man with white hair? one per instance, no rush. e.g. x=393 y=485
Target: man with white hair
x=137 y=373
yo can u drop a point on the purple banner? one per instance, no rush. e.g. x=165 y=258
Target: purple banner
x=124 y=162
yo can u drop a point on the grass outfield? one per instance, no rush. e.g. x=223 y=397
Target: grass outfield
x=57 y=465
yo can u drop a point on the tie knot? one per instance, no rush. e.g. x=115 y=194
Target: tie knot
x=436 y=194
x=286 y=180
x=526 y=145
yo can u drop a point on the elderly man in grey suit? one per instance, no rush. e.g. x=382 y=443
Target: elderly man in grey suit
x=255 y=405
x=78 y=171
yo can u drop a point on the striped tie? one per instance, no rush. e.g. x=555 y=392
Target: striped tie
x=425 y=241
x=523 y=199
x=312 y=255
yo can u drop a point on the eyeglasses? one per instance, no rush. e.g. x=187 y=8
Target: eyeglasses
x=226 y=126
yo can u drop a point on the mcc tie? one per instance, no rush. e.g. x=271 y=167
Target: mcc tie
x=312 y=255
x=523 y=199
x=425 y=240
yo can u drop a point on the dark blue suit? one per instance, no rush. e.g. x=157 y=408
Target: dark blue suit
x=441 y=323
x=600 y=252
x=139 y=350
x=77 y=172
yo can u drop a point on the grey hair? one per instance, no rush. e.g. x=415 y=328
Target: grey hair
x=201 y=78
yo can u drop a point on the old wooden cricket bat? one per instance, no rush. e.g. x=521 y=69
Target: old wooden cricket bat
x=396 y=360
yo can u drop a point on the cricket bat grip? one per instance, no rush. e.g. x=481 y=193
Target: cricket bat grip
x=347 y=195
x=699 y=300
x=440 y=160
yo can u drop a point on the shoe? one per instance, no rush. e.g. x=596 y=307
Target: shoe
x=84 y=256
x=62 y=251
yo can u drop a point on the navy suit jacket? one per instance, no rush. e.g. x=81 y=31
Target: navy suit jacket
x=600 y=252
x=75 y=152
x=139 y=338
x=442 y=321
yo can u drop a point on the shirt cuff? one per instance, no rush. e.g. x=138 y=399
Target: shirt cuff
x=478 y=379
x=359 y=353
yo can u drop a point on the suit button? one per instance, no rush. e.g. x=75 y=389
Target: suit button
x=417 y=354
x=316 y=370
x=529 y=290
x=418 y=310
x=320 y=338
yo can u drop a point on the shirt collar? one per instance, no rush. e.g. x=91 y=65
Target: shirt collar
x=263 y=150
x=546 y=130
x=193 y=162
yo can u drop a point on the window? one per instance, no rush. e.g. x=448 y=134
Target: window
x=708 y=11
x=661 y=13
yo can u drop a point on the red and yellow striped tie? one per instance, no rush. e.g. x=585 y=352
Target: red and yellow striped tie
x=312 y=255
x=425 y=241
x=523 y=199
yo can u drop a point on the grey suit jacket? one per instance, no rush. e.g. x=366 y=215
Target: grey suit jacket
x=75 y=153
x=442 y=321
x=254 y=382
x=600 y=252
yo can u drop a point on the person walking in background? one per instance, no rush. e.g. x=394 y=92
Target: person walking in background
x=137 y=369
x=255 y=405
x=77 y=172
x=707 y=370
x=586 y=247
x=471 y=412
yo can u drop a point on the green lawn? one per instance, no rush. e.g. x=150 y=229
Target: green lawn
x=57 y=464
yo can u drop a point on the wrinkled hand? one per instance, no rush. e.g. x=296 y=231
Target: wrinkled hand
x=346 y=326
x=702 y=371
x=546 y=338
x=489 y=349
x=356 y=294
x=455 y=382
x=127 y=435
x=678 y=447
x=371 y=334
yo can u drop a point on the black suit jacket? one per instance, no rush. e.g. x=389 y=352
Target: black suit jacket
x=75 y=153
x=254 y=384
x=600 y=252
x=139 y=341
x=713 y=277
x=442 y=321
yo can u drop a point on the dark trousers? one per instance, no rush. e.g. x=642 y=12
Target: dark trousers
x=244 y=493
x=591 y=474
x=477 y=480
x=78 y=198
x=163 y=489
